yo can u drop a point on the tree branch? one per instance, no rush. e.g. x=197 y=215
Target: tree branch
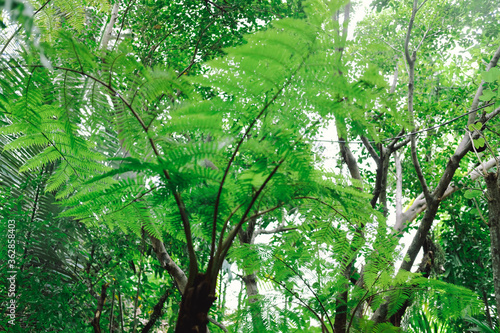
x=399 y=187
x=419 y=205
x=100 y=306
x=109 y=27
x=479 y=92
x=411 y=86
x=370 y=149
x=168 y=264
x=274 y=231
x=19 y=29
x=231 y=160
x=401 y=144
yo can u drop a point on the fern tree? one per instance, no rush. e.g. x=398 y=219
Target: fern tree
x=190 y=156
x=199 y=160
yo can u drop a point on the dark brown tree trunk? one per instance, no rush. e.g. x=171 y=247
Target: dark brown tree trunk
x=196 y=302
x=493 y=195
x=100 y=305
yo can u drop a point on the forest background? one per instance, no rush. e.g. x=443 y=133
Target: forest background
x=148 y=146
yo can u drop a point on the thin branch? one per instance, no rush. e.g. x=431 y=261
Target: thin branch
x=153 y=49
x=390 y=45
x=226 y=244
x=423 y=38
x=479 y=92
x=131 y=202
x=19 y=29
x=399 y=187
x=423 y=3
x=362 y=300
x=308 y=287
x=265 y=211
x=274 y=231
x=216 y=323
x=370 y=149
x=233 y=156
x=299 y=299
x=123 y=23
x=411 y=86
x=100 y=305
x=193 y=58
x=401 y=144
x=477 y=155
x=156 y=312
x=418 y=170
x=323 y=203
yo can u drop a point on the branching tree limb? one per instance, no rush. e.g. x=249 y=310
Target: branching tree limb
x=410 y=59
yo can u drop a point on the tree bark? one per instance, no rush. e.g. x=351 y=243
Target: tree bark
x=100 y=305
x=419 y=205
x=493 y=195
x=156 y=312
x=109 y=27
x=248 y=237
x=196 y=302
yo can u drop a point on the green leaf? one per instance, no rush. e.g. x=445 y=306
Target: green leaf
x=469 y=194
x=479 y=143
x=487 y=95
x=492 y=75
x=476 y=126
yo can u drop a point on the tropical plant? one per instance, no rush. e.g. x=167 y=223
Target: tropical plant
x=156 y=141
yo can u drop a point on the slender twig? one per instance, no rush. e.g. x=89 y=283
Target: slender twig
x=363 y=299
x=479 y=92
x=299 y=299
x=224 y=245
x=195 y=52
x=423 y=38
x=396 y=139
x=308 y=287
x=155 y=46
x=390 y=45
x=124 y=16
x=401 y=144
x=19 y=29
x=423 y=3
x=131 y=202
x=370 y=149
x=274 y=231
x=219 y=325
x=477 y=155
x=325 y=204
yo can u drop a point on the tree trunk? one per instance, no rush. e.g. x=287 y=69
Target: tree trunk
x=109 y=27
x=248 y=237
x=255 y=308
x=340 y=324
x=493 y=194
x=196 y=302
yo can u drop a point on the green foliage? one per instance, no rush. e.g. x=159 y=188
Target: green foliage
x=131 y=148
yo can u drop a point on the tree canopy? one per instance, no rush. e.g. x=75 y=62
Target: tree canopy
x=164 y=166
